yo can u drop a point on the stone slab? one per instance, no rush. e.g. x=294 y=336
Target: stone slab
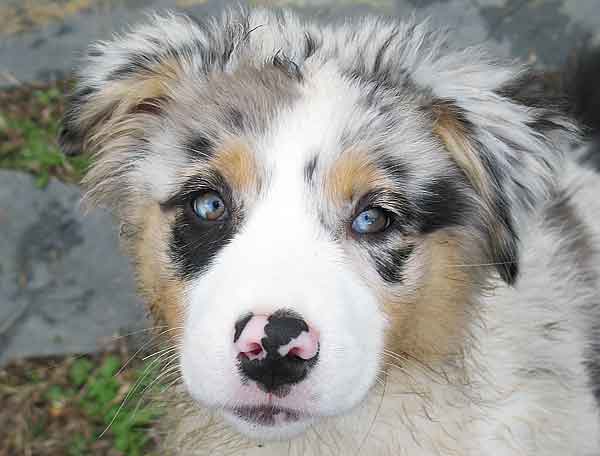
x=64 y=285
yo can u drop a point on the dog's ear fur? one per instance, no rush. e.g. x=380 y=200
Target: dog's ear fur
x=128 y=75
x=124 y=85
x=508 y=139
x=497 y=121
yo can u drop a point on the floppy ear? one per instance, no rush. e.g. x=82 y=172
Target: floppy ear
x=506 y=132
x=497 y=122
x=129 y=74
x=125 y=84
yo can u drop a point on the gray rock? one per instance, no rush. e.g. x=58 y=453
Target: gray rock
x=64 y=285
x=540 y=32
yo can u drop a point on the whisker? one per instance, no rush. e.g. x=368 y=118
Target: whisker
x=128 y=395
x=146 y=344
x=167 y=371
x=139 y=331
x=163 y=351
x=474 y=265
x=360 y=447
x=171 y=384
x=407 y=357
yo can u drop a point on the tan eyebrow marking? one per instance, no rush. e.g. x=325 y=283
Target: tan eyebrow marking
x=235 y=161
x=352 y=175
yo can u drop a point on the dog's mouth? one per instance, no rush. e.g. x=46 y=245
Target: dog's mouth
x=267 y=415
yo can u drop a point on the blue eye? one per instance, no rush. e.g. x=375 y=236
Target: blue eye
x=209 y=206
x=371 y=221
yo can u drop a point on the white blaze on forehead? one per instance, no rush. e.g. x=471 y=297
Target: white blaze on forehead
x=282 y=227
x=313 y=125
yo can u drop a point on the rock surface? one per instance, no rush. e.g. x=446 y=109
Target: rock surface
x=64 y=286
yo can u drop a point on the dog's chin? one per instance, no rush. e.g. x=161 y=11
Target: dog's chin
x=266 y=423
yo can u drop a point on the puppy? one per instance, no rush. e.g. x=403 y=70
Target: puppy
x=362 y=241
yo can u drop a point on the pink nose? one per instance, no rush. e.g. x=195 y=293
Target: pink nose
x=275 y=350
x=279 y=333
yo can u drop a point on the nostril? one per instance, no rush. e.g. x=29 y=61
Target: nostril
x=254 y=351
x=304 y=345
x=249 y=332
x=295 y=352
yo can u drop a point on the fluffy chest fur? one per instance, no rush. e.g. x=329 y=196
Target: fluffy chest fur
x=360 y=240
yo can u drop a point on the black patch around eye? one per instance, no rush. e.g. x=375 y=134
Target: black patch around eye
x=390 y=263
x=194 y=243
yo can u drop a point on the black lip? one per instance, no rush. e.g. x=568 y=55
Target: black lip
x=265 y=415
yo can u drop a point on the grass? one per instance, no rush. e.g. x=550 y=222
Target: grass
x=29 y=123
x=64 y=406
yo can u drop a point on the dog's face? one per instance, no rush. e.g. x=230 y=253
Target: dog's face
x=305 y=206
